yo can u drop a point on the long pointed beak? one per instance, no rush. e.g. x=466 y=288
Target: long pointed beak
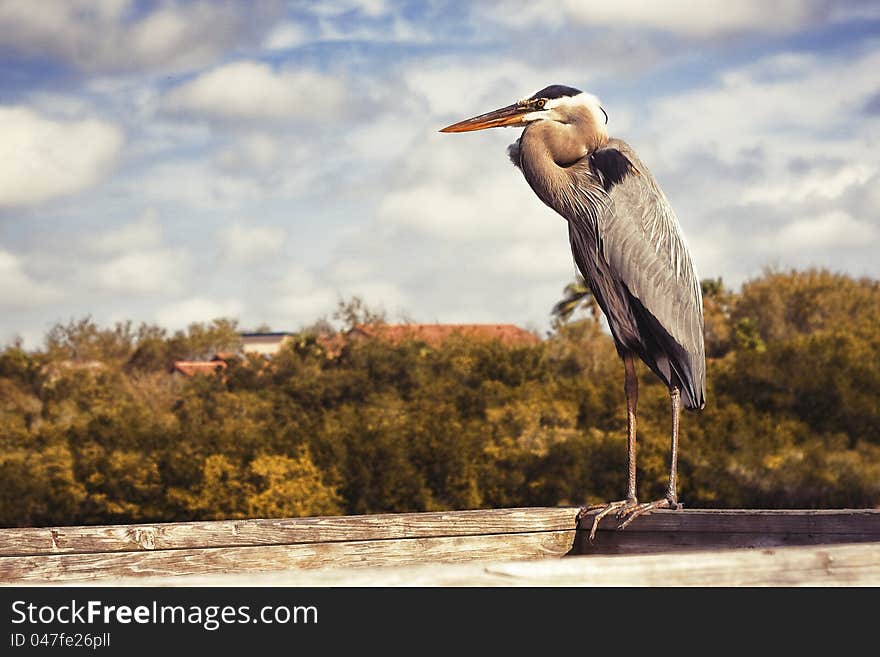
x=511 y=115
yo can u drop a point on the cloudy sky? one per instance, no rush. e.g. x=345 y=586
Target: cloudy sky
x=175 y=161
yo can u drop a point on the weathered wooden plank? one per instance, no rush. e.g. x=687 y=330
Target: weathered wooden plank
x=240 y=533
x=639 y=542
x=753 y=521
x=247 y=546
x=835 y=565
x=351 y=554
x=661 y=528
x=715 y=529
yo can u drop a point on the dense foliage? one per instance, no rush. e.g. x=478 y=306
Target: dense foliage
x=94 y=428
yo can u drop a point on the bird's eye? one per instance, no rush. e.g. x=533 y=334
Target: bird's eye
x=540 y=103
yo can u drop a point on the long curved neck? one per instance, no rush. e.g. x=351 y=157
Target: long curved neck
x=554 y=159
x=566 y=143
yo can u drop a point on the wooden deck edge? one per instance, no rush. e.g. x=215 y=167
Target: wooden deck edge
x=286 y=531
x=101 y=567
x=861 y=524
x=836 y=565
x=750 y=521
x=717 y=529
x=78 y=554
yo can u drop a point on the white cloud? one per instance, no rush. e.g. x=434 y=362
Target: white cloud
x=536 y=259
x=388 y=137
x=286 y=35
x=41 y=159
x=707 y=18
x=197 y=309
x=151 y=271
x=826 y=232
x=205 y=188
x=248 y=244
x=144 y=232
x=372 y=8
x=861 y=11
x=17 y=288
x=818 y=186
x=300 y=297
x=440 y=210
x=296 y=279
x=136 y=261
x=60 y=106
x=249 y=90
x=394 y=30
x=304 y=308
x=248 y=169
x=331 y=23
x=103 y=35
x=459 y=237
x=346 y=270
x=715 y=251
x=384 y=294
x=453 y=85
x=255 y=152
x=160 y=32
x=463 y=188
x=780 y=104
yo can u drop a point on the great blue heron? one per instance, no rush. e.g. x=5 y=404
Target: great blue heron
x=628 y=245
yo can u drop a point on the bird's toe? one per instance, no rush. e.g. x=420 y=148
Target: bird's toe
x=629 y=515
x=604 y=510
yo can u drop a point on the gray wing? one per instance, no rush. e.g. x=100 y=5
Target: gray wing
x=641 y=240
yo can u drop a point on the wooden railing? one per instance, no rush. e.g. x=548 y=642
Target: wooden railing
x=464 y=547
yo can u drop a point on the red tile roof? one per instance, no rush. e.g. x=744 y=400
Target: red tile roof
x=193 y=367
x=436 y=334
x=332 y=344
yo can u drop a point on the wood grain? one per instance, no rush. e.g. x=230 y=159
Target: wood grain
x=804 y=521
x=715 y=529
x=240 y=533
x=285 y=547
x=303 y=556
x=833 y=565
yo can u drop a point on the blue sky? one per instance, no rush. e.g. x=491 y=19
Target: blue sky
x=172 y=162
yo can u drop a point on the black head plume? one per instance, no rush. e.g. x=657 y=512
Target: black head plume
x=556 y=91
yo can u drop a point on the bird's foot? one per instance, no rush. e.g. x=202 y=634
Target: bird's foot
x=634 y=512
x=623 y=507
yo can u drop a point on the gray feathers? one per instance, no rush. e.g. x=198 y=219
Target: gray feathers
x=643 y=244
x=626 y=241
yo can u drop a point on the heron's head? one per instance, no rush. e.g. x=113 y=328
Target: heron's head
x=557 y=103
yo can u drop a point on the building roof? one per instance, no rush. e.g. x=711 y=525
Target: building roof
x=276 y=334
x=435 y=334
x=193 y=367
x=332 y=343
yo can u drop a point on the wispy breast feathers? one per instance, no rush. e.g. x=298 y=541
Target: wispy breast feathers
x=513 y=153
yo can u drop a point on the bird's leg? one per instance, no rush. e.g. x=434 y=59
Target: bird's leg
x=671 y=499
x=631 y=388
x=672 y=488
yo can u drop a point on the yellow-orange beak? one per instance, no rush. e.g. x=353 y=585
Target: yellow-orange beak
x=512 y=115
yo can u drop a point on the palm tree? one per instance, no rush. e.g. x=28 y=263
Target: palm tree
x=577 y=295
